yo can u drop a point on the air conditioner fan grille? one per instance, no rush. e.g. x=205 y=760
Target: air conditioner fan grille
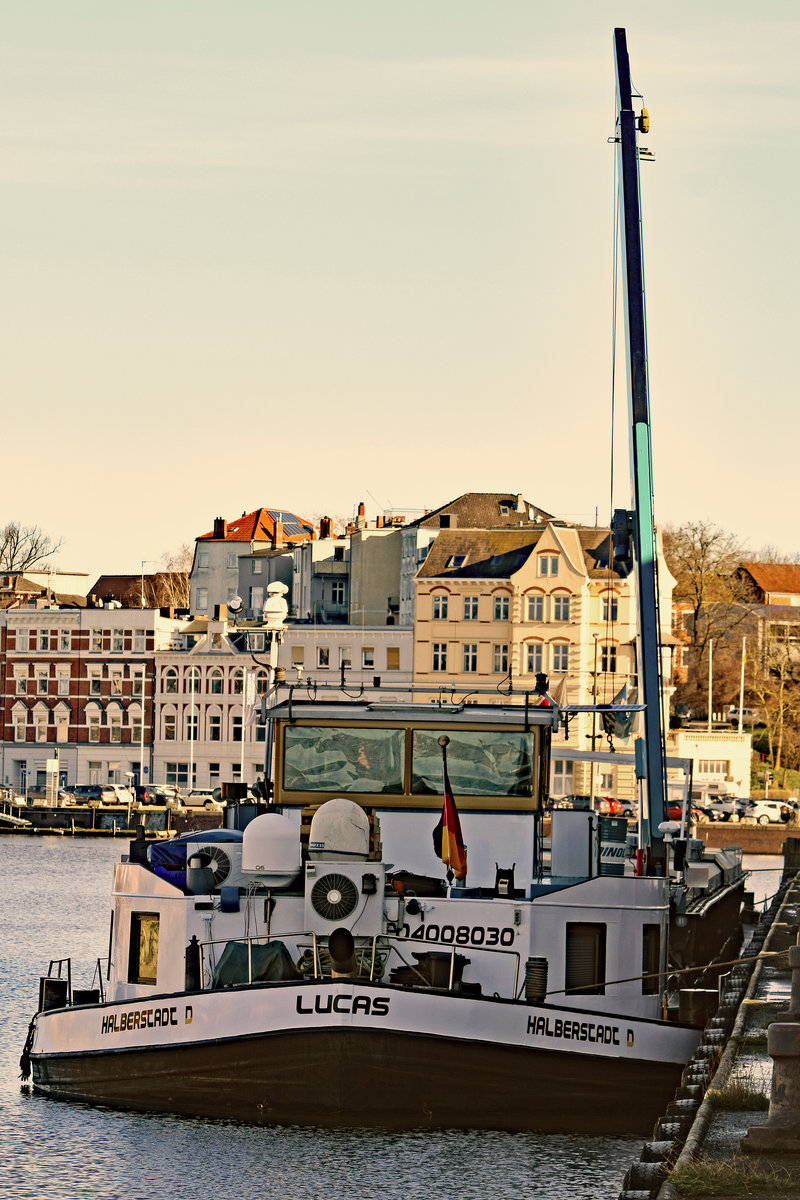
x=334 y=896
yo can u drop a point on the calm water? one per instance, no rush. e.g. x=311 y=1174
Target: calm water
x=54 y=895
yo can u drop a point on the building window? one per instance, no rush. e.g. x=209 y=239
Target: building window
x=651 y=959
x=236 y=729
x=40 y=724
x=470 y=656
x=237 y=683
x=135 y=719
x=610 y=608
x=535 y=608
x=63 y=683
x=62 y=727
x=607 y=782
x=367 y=658
x=439 y=612
x=561 y=656
x=298 y=656
x=215 y=728
x=455 y=561
x=470 y=608
x=170 y=727
x=338 y=553
x=20 y=729
x=94 y=682
x=233 y=562
x=115 y=721
x=41 y=683
x=202 y=599
x=439 y=656
x=256 y=566
x=608 y=659
x=138 y=641
x=118 y=640
x=323 y=657
x=178 y=773
x=501 y=608
x=714 y=766
x=534 y=658
x=192 y=726
x=97 y=641
x=345 y=657
x=213 y=773
x=195 y=683
x=562 y=777
x=116 y=683
x=44 y=639
x=585 y=958
x=392 y=658
x=548 y=565
x=561 y=608
x=501 y=659
x=262 y=683
x=337 y=591
x=257 y=598
x=22 y=685
x=93 y=721
x=171 y=681
x=202 y=559
x=215 y=682
x=261 y=733
x=64 y=640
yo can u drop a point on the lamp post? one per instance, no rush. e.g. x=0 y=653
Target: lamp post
x=141 y=730
x=191 y=728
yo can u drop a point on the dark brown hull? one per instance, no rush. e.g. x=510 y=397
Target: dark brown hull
x=360 y=1078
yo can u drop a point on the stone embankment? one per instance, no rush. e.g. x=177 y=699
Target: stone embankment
x=720 y=1135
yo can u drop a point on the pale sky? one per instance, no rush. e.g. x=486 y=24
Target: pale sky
x=307 y=253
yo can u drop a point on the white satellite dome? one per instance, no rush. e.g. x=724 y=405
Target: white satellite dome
x=271 y=850
x=339 y=830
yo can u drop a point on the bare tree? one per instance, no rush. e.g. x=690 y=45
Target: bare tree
x=169 y=587
x=24 y=546
x=774 y=683
x=711 y=598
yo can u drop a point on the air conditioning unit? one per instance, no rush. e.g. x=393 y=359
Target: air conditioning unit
x=224 y=859
x=344 y=894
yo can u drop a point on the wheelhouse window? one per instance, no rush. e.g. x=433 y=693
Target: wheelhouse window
x=322 y=759
x=143 y=957
x=585 y=958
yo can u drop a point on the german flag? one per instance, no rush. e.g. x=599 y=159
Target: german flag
x=448 y=841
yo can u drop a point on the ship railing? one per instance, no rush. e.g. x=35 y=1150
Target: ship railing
x=207 y=950
x=391 y=942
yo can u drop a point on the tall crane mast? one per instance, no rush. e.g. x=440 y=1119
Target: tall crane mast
x=638 y=523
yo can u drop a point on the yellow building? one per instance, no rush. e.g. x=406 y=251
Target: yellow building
x=496 y=607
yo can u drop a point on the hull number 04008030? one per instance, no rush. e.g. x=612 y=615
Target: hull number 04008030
x=461 y=935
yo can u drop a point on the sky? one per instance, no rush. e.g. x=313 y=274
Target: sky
x=305 y=254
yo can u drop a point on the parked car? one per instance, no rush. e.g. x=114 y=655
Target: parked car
x=768 y=812
x=200 y=798
x=750 y=716
x=124 y=794
x=147 y=794
x=99 y=792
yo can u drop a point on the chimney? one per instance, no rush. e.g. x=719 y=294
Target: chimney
x=520 y=503
x=277 y=539
x=325 y=525
x=361 y=509
x=379 y=522
x=220 y=527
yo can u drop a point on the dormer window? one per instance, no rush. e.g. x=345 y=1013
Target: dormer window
x=455 y=561
x=548 y=565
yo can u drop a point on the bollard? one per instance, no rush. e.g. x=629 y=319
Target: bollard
x=781 y=1132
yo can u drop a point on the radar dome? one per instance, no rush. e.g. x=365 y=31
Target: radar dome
x=339 y=830
x=271 y=850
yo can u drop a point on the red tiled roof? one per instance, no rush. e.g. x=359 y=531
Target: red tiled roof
x=259 y=526
x=774 y=577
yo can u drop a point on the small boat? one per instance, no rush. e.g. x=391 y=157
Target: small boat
x=315 y=967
